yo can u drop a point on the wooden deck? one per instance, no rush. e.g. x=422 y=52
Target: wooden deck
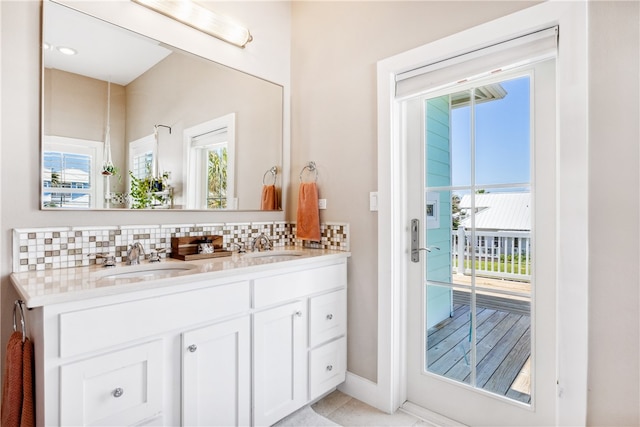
x=503 y=345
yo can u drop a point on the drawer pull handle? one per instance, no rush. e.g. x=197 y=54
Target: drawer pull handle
x=329 y=367
x=192 y=348
x=329 y=316
x=118 y=392
x=299 y=313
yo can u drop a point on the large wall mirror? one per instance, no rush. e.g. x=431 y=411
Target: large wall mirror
x=132 y=123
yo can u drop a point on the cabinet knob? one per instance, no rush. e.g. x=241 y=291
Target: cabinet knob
x=192 y=348
x=299 y=313
x=329 y=367
x=118 y=392
x=329 y=316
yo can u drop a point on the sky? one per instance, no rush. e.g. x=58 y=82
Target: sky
x=502 y=138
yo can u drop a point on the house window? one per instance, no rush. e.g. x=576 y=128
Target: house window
x=209 y=163
x=70 y=178
x=217 y=173
x=141 y=156
x=432 y=210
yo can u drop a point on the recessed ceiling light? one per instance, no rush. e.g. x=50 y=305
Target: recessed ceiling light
x=66 y=50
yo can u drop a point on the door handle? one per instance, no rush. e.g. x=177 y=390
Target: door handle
x=415 y=242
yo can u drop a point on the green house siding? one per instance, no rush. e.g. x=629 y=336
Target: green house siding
x=438 y=173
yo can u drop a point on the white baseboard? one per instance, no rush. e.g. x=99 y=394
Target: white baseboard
x=362 y=389
x=432 y=418
x=369 y=392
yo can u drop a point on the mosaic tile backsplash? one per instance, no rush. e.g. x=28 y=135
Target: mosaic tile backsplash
x=66 y=247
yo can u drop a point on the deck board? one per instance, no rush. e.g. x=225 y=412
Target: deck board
x=512 y=305
x=503 y=347
x=499 y=355
x=461 y=370
x=509 y=369
x=457 y=343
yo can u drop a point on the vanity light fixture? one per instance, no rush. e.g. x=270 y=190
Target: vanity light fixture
x=202 y=19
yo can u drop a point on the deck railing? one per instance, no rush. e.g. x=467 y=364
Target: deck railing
x=498 y=254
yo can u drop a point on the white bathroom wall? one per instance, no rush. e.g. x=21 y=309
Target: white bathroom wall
x=614 y=214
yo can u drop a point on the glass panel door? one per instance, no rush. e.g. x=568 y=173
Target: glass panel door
x=478 y=281
x=480 y=167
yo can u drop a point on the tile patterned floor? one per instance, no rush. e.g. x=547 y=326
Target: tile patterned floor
x=346 y=411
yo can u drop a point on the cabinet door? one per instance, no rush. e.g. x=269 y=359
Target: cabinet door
x=119 y=388
x=280 y=362
x=216 y=374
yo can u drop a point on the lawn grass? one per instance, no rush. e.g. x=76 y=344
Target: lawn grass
x=498 y=266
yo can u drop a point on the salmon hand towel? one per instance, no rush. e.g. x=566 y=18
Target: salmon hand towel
x=269 y=200
x=28 y=418
x=308 y=217
x=17 y=388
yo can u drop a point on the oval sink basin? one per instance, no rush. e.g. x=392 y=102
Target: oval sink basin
x=146 y=271
x=282 y=255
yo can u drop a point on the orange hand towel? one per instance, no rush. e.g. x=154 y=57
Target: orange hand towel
x=269 y=200
x=28 y=418
x=308 y=217
x=12 y=385
x=17 y=389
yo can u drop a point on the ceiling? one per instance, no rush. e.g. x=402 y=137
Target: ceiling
x=104 y=51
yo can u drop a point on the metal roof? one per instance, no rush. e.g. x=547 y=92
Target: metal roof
x=499 y=211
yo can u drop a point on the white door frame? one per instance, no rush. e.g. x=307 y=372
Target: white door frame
x=572 y=165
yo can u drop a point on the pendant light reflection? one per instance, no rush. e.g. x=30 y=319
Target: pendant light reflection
x=201 y=19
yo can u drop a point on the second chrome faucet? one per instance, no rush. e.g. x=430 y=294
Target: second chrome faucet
x=133 y=254
x=262 y=243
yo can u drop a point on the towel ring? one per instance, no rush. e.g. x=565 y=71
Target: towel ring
x=311 y=167
x=273 y=171
x=23 y=322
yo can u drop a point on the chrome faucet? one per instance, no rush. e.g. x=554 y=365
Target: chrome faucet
x=262 y=242
x=240 y=246
x=154 y=256
x=109 y=260
x=133 y=254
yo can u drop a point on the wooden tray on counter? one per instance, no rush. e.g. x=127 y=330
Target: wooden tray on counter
x=186 y=248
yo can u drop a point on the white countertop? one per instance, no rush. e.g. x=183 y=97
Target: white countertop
x=39 y=288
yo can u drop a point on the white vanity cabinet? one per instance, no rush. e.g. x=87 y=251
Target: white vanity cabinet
x=129 y=361
x=234 y=349
x=299 y=339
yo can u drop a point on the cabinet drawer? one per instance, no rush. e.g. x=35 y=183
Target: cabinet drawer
x=101 y=327
x=327 y=367
x=327 y=317
x=118 y=388
x=286 y=287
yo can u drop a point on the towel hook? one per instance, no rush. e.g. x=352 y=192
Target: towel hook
x=311 y=167
x=155 y=127
x=23 y=322
x=273 y=171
